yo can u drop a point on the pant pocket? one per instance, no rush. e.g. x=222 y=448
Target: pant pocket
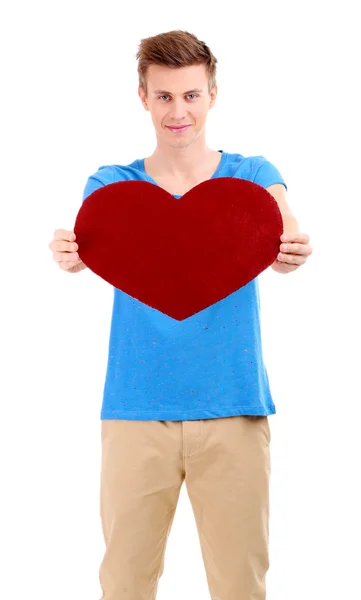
x=263 y=422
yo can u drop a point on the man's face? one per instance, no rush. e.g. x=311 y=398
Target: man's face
x=178 y=98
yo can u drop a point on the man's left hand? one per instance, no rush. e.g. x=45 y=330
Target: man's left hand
x=294 y=251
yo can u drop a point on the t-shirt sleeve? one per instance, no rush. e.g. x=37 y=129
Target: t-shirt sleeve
x=102 y=177
x=266 y=173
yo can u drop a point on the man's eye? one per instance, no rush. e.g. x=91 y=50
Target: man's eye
x=165 y=96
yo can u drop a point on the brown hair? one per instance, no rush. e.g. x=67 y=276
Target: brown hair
x=174 y=49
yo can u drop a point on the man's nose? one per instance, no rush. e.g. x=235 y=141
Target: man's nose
x=178 y=109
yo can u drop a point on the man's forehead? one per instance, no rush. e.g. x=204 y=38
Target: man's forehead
x=182 y=80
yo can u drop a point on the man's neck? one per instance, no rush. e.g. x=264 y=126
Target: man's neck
x=180 y=163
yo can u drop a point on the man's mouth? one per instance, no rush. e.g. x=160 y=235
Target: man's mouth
x=178 y=129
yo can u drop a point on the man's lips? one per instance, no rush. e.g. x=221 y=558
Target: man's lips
x=177 y=128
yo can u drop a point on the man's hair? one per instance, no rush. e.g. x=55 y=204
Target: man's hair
x=174 y=49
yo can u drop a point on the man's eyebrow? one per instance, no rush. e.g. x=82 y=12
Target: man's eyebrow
x=196 y=90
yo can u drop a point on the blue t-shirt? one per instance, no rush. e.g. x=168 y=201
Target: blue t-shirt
x=207 y=366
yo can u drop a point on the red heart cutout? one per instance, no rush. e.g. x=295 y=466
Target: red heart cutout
x=179 y=256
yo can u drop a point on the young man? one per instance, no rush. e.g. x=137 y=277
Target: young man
x=186 y=401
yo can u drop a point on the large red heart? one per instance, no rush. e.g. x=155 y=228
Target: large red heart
x=179 y=256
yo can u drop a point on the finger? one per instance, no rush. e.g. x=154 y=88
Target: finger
x=61 y=246
x=63 y=234
x=301 y=238
x=285 y=267
x=66 y=266
x=291 y=259
x=65 y=257
x=294 y=248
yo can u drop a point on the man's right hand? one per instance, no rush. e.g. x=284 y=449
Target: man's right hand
x=64 y=251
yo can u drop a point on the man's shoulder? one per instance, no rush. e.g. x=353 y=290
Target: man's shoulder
x=244 y=166
x=111 y=173
x=107 y=174
x=256 y=168
x=239 y=159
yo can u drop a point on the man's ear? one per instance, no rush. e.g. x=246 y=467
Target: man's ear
x=213 y=94
x=142 y=95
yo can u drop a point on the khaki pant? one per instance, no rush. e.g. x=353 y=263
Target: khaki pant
x=225 y=463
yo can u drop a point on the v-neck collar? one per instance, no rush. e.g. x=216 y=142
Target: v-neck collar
x=215 y=174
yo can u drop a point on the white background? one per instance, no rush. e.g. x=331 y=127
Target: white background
x=287 y=77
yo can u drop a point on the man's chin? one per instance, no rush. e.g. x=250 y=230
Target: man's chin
x=181 y=143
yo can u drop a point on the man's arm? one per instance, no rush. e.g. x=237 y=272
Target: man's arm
x=290 y=224
x=297 y=249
